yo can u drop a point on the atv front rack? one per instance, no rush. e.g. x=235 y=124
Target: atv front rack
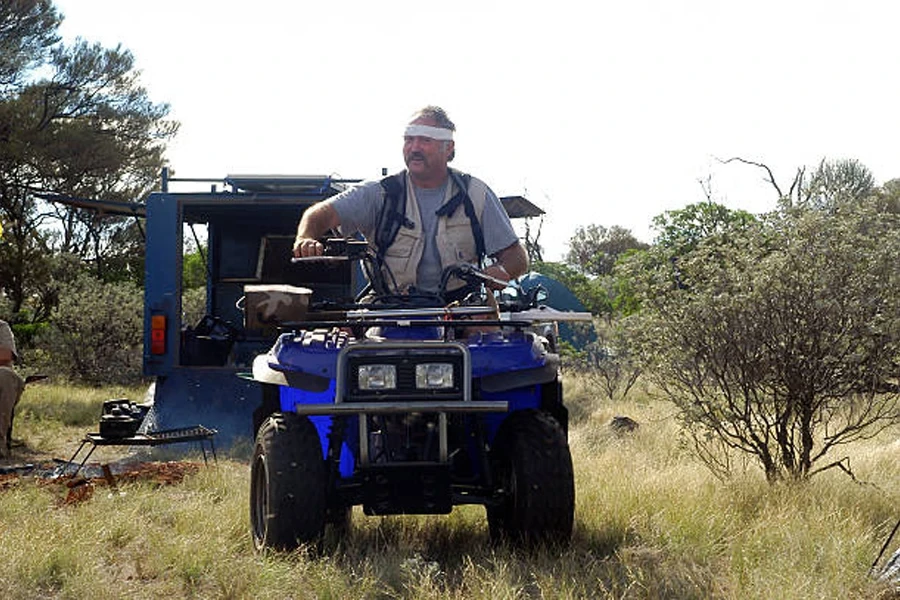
x=429 y=317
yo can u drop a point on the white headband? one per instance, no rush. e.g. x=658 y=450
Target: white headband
x=435 y=133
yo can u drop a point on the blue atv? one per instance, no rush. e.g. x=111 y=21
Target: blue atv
x=410 y=404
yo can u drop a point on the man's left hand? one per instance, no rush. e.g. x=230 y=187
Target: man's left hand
x=498 y=272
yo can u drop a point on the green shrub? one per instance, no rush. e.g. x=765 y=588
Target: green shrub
x=96 y=332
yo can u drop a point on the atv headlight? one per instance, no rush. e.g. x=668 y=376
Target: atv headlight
x=377 y=377
x=434 y=376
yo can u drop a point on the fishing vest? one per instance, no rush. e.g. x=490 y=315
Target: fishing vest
x=399 y=240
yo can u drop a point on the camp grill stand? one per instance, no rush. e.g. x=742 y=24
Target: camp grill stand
x=198 y=433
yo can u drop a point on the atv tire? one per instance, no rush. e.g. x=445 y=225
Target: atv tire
x=534 y=480
x=287 y=484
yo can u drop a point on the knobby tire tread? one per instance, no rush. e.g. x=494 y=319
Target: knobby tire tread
x=295 y=479
x=533 y=448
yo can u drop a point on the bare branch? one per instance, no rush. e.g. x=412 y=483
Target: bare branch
x=706 y=184
x=771 y=178
x=844 y=465
x=797 y=183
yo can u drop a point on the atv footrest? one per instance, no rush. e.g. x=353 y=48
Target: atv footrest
x=411 y=488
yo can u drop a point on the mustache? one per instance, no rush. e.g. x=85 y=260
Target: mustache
x=415 y=156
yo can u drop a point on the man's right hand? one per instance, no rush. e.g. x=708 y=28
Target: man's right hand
x=316 y=221
x=304 y=247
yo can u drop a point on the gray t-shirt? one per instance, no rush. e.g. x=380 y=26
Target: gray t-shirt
x=358 y=209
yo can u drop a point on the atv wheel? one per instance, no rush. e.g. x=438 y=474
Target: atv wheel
x=533 y=474
x=287 y=484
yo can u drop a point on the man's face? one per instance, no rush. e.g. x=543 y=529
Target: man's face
x=426 y=158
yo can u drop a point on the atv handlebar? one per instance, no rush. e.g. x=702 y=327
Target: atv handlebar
x=347 y=249
x=337 y=249
x=471 y=275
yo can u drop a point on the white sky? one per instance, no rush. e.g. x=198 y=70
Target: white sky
x=600 y=112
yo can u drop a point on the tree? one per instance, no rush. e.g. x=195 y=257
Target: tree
x=678 y=234
x=193 y=269
x=782 y=338
x=838 y=183
x=833 y=184
x=887 y=197
x=193 y=280
x=27 y=32
x=73 y=121
x=532 y=242
x=683 y=230
x=594 y=249
x=611 y=362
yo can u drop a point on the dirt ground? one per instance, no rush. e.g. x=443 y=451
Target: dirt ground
x=60 y=451
x=106 y=465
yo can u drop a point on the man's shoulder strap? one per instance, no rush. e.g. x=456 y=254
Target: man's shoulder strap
x=393 y=211
x=461 y=197
x=394 y=184
x=462 y=181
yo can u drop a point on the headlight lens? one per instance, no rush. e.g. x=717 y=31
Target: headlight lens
x=434 y=376
x=377 y=377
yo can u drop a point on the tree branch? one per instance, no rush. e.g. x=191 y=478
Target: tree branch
x=844 y=465
x=768 y=171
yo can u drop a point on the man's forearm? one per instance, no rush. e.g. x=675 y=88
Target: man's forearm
x=317 y=220
x=510 y=263
x=514 y=259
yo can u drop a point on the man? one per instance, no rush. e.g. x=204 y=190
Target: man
x=424 y=219
x=11 y=386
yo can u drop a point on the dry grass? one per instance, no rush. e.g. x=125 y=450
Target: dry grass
x=651 y=523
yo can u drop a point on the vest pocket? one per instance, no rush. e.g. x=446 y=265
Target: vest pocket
x=458 y=244
x=403 y=245
x=398 y=257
